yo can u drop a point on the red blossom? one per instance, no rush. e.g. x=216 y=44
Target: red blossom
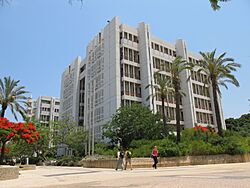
x=199 y=127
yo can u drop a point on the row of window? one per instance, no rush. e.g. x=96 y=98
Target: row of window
x=163 y=49
x=93 y=55
x=200 y=90
x=96 y=68
x=126 y=102
x=192 y=60
x=44 y=118
x=131 y=89
x=169 y=112
x=161 y=64
x=129 y=36
x=129 y=54
x=170 y=98
x=45 y=102
x=45 y=109
x=204 y=118
x=48 y=109
x=158 y=77
x=99 y=95
x=202 y=104
x=198 y=76
x=130 y=71
x=99 y=114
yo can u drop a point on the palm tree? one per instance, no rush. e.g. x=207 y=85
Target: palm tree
x=177 y=66
x=214 y=3
x=12 y=95
x=163 y=88
x=219 y=72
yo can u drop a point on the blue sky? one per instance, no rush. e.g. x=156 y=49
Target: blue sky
x=39 y=38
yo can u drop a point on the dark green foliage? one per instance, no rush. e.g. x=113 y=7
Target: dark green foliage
x=239 y=125
x=133 y=123
x=105 y=149
x=193 y=143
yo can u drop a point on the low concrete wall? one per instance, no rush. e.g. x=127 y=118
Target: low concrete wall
x=169 y=161
x=27 y=167
x=8 y=172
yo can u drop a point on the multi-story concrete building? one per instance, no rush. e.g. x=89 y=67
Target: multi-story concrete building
x=46 y=109
x=120 y=62
x=69 y=90
x=30 y=113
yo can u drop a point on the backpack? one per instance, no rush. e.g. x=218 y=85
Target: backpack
x=129 y=154
x=121 y=155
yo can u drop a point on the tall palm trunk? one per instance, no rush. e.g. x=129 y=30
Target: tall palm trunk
x=216 y=108
x=3 y=111
x=177 y=113
x=163 y=112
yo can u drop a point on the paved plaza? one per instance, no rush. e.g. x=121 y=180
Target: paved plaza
x=201 y=176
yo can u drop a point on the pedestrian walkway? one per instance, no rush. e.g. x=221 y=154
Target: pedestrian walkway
x=205 y=176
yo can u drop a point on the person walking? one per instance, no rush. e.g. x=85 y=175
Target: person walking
x=154 y=155
x=119 y=163
x=128 y=156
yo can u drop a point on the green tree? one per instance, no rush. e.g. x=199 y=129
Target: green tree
x=66 y=133
x=76 y=140
x=163 y=88
x=239 y=125
x=177 y=66
x=215 y=3
x=12 y=95
x=133 y=123
x=219 y=71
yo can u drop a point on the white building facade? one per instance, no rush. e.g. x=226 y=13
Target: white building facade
x=120 y=62
x=46 y=109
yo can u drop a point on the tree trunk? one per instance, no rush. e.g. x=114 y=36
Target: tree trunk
x=2 y=153
x=217 y=109
x=163 y=112
x=177 y=113
x=3 y=110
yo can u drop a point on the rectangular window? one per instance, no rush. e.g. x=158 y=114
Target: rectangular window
x=126 y=53
x=174 y=53
x=130 y=55
x=132 y=89
x=137 y=73
x=135 y=39
x=165 y=50
x=157 y=47
x=127 y=88
x=121 y=53
x=136 y=56
x=161 y=48
x=131 y=71
x=170 y=52
x=125 y=35
x=138 y=90
x=130 y=37
x=126 y=70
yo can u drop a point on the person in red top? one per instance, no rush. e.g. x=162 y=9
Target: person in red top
x=155 y=155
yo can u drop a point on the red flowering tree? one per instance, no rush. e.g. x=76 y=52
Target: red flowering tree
x=15 y=131
x=201 y=128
